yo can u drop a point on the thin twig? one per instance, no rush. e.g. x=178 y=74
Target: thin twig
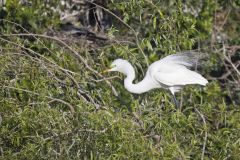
x=104 y=79
x=206 y=133
x=229 y=60
x=63 y=102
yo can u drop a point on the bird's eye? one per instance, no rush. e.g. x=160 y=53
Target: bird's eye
x=113 y=66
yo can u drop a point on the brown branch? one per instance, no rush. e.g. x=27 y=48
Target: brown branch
x=228 y=59
x=63 y=102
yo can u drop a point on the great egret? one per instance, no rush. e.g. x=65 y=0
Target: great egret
x=171 y=72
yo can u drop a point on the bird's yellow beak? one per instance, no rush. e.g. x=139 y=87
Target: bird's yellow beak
x=106 y=70
x=109 y=69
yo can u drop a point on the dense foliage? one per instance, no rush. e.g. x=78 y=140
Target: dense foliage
x=55 y=103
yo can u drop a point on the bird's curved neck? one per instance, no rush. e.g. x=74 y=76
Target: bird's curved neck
x=139 y=87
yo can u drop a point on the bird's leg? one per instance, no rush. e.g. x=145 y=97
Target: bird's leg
x=174 y=98
x=175 y=101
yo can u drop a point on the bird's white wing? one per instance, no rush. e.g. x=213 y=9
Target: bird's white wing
x=188 y=59
x=178 y=76
x=172 y=70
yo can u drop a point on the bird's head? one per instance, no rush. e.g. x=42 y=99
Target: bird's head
x=119 y=65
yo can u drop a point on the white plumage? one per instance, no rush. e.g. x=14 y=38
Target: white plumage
x=171 y=72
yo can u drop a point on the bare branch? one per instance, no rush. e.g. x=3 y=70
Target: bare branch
x=206 y=133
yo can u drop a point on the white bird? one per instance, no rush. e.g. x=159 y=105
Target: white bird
x=171 y=72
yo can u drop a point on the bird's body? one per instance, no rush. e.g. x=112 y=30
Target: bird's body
x=171 y=72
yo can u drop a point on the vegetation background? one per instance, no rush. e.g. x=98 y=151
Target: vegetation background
x=56 y=104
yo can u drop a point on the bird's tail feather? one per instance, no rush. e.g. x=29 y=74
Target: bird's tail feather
x=198 y=79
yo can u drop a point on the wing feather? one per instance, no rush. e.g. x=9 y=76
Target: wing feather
x=187 y=59
x=173 y=70
x=180 y=77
